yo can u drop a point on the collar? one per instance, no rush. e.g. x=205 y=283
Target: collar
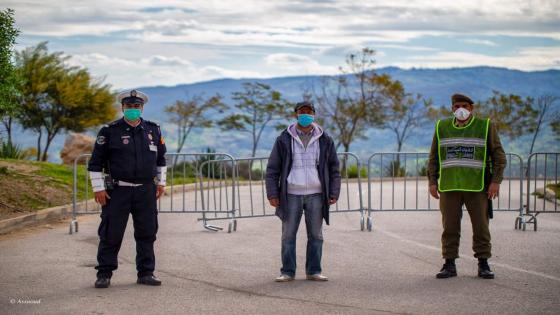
x=303 y=133
x=141 y=125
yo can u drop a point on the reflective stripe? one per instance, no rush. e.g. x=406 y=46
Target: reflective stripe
x=462 y=163
x=161 y=175
x=97 y=183
x=462 y=141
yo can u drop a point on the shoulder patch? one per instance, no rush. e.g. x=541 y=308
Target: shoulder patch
x=100 y=140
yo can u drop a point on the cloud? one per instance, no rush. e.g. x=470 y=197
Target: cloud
x=140 y=43
x=534 y=58
x=166 y=61
x=482 y=42
x=298 y=64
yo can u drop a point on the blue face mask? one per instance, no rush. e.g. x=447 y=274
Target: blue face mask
x=305 y=120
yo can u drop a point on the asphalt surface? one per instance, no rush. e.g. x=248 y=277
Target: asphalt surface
x=389 y=270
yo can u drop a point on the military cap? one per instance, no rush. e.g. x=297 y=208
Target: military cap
x=132 y=97
x=304 y=104
x=460 y=98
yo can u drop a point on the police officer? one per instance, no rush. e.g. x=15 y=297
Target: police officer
x=466 y=166
x=127 y=170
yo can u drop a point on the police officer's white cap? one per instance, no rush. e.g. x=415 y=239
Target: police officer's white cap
x=132 y=95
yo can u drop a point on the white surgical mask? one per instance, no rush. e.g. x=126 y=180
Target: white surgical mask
x=462 y=114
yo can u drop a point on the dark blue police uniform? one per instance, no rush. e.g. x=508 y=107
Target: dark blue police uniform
x=131 y=156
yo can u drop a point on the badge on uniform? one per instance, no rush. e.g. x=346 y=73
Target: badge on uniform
x=150 y=137
x=100 y=140
x=153 y=148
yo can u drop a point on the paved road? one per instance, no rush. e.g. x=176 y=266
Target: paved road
x=389 y=270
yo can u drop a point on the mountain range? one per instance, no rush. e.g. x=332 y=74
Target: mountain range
x=437 y=84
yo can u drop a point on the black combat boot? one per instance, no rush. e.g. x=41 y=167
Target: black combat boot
x=448 y=270
x=102 y=282
x=484 y=269
x=149 y=280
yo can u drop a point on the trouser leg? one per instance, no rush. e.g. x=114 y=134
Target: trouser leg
x=114 y=217
x=450 y=204
x=144 y=215
x=477 y=206
x=313 y=206
x=290 y=225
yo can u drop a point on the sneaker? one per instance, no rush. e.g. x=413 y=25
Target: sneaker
x=284 y=278
x=317 y=277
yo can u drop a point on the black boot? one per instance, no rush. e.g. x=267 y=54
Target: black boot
x=448 y=270
x=102 y=282
x=149 y=280
x=484 y=269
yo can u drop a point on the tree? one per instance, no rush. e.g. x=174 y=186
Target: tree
x=190 y=114
x=257 y=106
x=354 y=100
x=544 y=111
x=405 y=113
x=509 y=112
x=57 y=97
x=8 y=78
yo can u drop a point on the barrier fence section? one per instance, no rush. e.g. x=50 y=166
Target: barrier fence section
x=220 y=187
x=192 y=187
x=542 y=188
x=252 y=201
x=398 y=182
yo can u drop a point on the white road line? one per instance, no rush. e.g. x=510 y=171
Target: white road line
x=436 y=249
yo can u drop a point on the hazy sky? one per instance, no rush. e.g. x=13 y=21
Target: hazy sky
x=141 y=43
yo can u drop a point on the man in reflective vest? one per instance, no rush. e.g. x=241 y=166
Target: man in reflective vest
x=466 y=165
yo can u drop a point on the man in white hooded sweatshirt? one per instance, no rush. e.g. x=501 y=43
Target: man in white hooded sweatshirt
x=303 y=175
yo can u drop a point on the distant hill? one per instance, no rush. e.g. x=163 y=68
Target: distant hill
x=438 y=84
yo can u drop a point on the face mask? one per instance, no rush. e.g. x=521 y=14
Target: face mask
x=132 y=113
x=305 y=120
x=462 y=114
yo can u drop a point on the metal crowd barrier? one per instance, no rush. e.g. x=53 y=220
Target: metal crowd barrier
x=398 y=182
x=252 y=190
x=220 y=187
x=542 y=182
x=193 y=186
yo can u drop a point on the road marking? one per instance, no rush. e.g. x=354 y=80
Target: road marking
x=436 y=249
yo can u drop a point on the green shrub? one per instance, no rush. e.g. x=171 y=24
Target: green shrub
x=11 y=151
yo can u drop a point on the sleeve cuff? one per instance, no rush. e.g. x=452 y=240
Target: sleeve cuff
x=161 y=175
x=97 y=182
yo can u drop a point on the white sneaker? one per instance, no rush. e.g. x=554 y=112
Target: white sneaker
x=317 y=277
x=284 y=278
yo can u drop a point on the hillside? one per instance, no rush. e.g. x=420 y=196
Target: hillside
x=30 y=186
x=437 y=84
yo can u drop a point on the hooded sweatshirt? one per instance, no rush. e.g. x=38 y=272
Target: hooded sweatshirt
x=304 y=176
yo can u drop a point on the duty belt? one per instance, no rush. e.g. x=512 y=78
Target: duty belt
x=127 y=184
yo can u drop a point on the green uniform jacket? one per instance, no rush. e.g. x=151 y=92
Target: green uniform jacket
x=496 y=158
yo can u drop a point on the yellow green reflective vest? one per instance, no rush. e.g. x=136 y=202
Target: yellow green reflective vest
x=462 y=154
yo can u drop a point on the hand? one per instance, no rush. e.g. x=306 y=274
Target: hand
x=160 y=190
x=434 y=191
x=101 y=197
x=275 y=202
x=493 y=190
x=332 y=201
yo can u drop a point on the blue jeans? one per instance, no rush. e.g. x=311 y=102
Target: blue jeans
x=313 y=206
